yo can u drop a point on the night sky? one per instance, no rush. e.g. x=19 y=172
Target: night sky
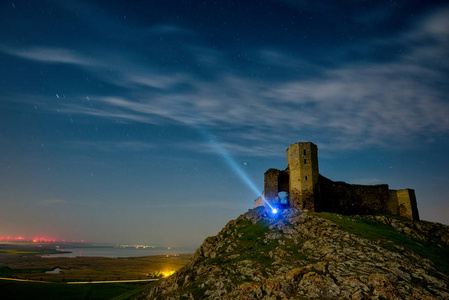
x=139 y=121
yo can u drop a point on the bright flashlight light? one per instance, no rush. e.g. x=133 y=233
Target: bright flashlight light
x=274 y=210
x=234 y=166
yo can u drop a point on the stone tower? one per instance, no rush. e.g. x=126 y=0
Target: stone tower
x=302 y=161
x=302 y=187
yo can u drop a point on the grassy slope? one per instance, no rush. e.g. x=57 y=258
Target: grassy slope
x=393 y=240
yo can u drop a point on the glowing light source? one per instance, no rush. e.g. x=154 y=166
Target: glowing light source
x=168 y=273
x=274 y=211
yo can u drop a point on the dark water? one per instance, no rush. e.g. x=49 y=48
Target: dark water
x=119 y=252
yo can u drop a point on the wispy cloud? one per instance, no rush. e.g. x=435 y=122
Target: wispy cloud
x=347 y=107
x=168 y=28
x=110 y=146
x=257 y=150
x=50 y=55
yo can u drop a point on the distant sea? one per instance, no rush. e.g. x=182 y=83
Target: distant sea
x=119 y=252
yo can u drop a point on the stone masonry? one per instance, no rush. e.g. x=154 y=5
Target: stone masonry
x=308 y=190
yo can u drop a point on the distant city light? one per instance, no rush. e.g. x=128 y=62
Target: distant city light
x=35 y=239
x=166 y=274
x=26 y=239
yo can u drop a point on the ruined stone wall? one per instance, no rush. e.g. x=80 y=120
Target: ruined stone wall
x=259 y=202
x=308 y=190
x=393 y=204
x=275 y=181
x=283 y=181
x=351 y=199
x=302 y=161
x=403 y=203
x=271 y=184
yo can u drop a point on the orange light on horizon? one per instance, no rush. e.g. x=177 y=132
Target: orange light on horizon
x=168 y=273
x=36 y=239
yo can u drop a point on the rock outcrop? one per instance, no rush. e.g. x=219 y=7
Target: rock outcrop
x=300 y=255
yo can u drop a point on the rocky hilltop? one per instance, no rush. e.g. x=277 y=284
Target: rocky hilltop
x=301 y=255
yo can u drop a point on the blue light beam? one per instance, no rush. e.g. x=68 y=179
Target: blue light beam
x=237 y=170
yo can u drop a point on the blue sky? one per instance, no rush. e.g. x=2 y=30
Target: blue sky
x=116 y=116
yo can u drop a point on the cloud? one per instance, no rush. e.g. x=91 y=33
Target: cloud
x=50 y=55
x=257 y=150
x=276 y=58
x=111 y=114
x=349 y=106
x=168 y=28
x=111 y=146
x=152 y=80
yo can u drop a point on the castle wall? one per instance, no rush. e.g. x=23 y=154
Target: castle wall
x=302 y=161
x=271 y=184
x=403 y=203
x=259 y=202
x=308 y=190
x=275 y=181
x=350 y=199
x=393 y=203
x=283 y=182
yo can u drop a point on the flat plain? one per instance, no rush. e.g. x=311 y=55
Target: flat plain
x=24 y=262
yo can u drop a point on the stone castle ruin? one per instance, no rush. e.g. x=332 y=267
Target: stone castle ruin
x=303 y=187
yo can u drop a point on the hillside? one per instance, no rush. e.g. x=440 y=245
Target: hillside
x=300 y=255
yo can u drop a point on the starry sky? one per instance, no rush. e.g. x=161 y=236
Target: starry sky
x=153 y=121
